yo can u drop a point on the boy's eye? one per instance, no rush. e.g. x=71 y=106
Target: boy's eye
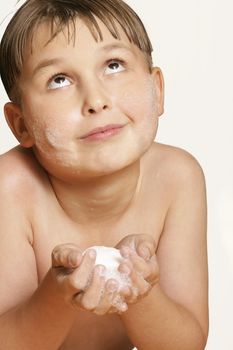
x=114 y=67
x=58 y=81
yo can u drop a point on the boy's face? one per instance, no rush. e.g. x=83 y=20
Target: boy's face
x=70 y=89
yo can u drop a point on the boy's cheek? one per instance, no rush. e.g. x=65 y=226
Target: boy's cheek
x=139 y=101
x=43 y=120
x=42 y=130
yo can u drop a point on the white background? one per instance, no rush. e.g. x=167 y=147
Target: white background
x=192 y=42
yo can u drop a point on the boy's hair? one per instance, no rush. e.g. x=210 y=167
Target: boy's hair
x=61 y=14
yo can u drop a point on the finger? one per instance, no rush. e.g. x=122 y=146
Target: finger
x=106 y=302
x=112 y=301
x=140 y=265
x=131 y=291
x=125 y=291
x=81 y=277
x=125 y=251
x=139 y=286
x=138 y=282
x=119 y=304
x=148 y=270
x=66 y=255
x=146 y=248
x=92 y=296
x=154 y=271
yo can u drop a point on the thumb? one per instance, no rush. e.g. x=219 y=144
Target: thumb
x=146 y=247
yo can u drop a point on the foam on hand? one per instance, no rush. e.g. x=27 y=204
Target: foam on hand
x=111 y=259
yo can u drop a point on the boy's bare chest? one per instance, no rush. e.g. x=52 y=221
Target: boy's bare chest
x=52 y=229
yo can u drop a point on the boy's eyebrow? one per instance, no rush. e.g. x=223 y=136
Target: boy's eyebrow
x=54 y=61
x=46 y=63
x=121 y=46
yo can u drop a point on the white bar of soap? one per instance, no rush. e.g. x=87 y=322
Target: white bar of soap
x=111 y=259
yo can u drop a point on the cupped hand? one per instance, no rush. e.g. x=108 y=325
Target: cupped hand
x=83 y=284
x=140 y=264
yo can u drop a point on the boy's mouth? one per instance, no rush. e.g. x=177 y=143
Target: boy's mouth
x=102 y=133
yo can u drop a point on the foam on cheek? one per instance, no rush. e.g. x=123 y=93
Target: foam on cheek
x=61 y=147
x=50 y=134
x=37 y=127
x=45 y=136
x=52 y=143
x=47 y=139
x=55 y=138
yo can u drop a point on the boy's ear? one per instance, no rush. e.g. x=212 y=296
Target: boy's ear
x=159 y=87
x=17 y=125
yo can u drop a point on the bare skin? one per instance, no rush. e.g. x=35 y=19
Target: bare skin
x=62 y=195
x=32 y=250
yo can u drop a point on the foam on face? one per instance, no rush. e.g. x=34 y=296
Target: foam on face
x=111 y=259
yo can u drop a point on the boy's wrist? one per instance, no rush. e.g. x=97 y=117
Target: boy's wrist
x=52 y=295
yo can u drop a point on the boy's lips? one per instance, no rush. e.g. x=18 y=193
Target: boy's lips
x=101 y=133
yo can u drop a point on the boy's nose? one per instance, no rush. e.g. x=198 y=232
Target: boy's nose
x=96 y=100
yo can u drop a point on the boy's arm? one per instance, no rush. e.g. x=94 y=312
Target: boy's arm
x=30 y=318
x=174 y=315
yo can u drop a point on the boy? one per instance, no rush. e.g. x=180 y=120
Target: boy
x=85 y=102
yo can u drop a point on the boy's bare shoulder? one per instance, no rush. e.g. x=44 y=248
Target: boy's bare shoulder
x=175 y=165
x=21 y=174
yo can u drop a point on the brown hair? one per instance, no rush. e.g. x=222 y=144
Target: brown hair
x=60 y=14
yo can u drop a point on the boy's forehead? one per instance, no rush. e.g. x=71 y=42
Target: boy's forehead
x=73 y=33
x=49 y=48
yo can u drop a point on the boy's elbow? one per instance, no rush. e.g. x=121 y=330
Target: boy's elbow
x=203 y=341
x=199 y=340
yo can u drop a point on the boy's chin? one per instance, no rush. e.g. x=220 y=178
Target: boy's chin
x=78 y=173
x=104 y=170
x=69 y=166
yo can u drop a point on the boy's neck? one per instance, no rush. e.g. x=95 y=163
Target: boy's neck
x=102 y=199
